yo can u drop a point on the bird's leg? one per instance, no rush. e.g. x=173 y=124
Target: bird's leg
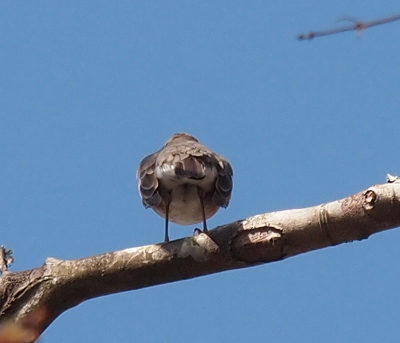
x=200 y=193
x=166 y=239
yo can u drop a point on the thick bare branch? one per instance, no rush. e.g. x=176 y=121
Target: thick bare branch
x=61 y=284
x=358 y=26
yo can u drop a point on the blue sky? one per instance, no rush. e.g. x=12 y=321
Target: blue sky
x=90 y=88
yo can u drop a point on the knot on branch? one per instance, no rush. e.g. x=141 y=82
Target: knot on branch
x=370 y=198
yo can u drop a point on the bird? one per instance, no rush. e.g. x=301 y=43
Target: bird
x=185 y=182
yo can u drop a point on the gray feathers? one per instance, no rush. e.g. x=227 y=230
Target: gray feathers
x=184 y=163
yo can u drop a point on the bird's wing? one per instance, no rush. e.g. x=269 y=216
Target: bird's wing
x=223 y=183
x=148 y=183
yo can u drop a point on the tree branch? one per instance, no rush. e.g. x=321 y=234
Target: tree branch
x=358 y=26
x=61 y=284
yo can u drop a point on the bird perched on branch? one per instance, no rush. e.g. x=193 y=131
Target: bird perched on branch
x=185 y=182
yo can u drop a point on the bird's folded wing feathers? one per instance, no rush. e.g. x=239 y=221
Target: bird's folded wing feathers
x=223 y=183
x=148 y=183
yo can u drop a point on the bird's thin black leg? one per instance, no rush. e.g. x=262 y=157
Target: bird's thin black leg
x=201 y=197
x=166 y=239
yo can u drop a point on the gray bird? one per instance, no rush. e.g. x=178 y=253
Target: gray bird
x=185 y=182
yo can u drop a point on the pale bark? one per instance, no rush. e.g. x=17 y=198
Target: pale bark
x=61 y=284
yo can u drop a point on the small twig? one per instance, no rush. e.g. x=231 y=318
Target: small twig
x=358 y=26
x=5 y=259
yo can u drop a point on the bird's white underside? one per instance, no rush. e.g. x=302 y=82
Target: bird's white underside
x=185 y=206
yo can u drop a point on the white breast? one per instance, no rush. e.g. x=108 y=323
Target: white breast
x=185 y=206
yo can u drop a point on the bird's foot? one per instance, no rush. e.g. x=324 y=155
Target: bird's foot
x=197 y=231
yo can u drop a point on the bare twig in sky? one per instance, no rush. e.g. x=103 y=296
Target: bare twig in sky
x=358 y=26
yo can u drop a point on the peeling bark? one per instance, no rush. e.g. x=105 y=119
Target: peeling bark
x=61 y=284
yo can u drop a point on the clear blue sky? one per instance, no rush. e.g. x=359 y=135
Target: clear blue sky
x=88 y=88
